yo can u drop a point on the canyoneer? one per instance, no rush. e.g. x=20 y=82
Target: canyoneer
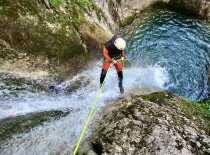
x=114 y=53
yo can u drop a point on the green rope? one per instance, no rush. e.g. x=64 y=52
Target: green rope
x=90 y=115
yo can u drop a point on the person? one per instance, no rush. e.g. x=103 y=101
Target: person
x=114 y=52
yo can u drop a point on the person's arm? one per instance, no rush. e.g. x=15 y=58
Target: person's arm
x=123 y=53
x=106 y=54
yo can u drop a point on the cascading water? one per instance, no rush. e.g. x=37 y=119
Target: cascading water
x=166 y=51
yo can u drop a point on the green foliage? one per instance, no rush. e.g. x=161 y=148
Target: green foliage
x=56 y=3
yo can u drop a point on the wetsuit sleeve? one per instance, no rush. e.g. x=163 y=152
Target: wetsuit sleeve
x=106 y=54
x=123 y=53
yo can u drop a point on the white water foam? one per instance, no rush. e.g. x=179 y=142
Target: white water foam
x=60 y=136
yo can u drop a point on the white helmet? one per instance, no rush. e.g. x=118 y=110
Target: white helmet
x=120 y=43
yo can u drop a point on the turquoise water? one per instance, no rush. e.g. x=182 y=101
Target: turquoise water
x=177 y=43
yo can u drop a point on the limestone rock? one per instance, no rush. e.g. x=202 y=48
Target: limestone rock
x=198 y=7
x=159 y=123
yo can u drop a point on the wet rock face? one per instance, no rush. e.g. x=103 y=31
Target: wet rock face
x=198 y=7
x=117 y=12
x=38 y=27
x=16 y=125
x=42 y=38
x=156 y=124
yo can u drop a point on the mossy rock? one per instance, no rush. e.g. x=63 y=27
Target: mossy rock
x=94 y=35
x=20 y=124
x=191 y=110
x=161 y=97
x=32 y=27
x=159 y=123
x=128 y=20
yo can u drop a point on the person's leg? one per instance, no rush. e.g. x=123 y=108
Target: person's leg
x=119 y=67
x=120 y=77
x=106 y=66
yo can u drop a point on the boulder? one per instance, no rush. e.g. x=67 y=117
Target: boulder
x=158 y=124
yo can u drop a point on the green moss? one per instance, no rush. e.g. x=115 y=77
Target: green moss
x=56 y=3
x=193 y=111
x=197 y=111
x=200 y=112
x=158 y=97
x=99 y=13
x=204 y=108
x=186 y=107
x=24 y=35
x=85 y=3
x=21 y=7
x=177 y=120
x=127 y=21
x=20 y=124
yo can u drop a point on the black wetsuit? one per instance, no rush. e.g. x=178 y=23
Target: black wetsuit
x=114 y=53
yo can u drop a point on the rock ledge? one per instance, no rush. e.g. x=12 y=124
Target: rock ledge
x=159 y=123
